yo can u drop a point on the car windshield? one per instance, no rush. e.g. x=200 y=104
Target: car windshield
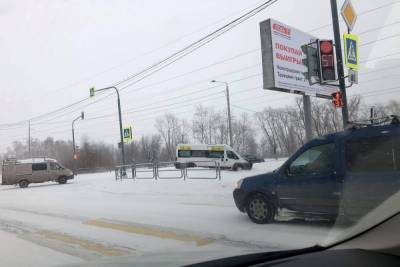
x=184 y=131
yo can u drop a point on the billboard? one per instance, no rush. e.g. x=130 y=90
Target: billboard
x=282 y=60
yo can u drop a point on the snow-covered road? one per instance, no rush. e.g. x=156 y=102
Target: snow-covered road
x=95 y=216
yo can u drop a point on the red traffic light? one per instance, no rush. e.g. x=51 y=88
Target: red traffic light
x=327 y=70
x=326 y=47
x=337 y=99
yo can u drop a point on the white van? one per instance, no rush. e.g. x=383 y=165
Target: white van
x=202 y=155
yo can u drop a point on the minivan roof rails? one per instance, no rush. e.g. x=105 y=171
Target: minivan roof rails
x=392 y=119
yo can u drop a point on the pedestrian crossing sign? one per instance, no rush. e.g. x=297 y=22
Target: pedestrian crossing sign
x=127 y=132
x=351 y=54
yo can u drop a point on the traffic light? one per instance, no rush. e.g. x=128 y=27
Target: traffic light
x=311 y=62
x=326 y=57
x=91 y=91
x=337 y=99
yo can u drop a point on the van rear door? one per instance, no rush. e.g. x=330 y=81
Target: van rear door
x=373 y=173
x=8 y=174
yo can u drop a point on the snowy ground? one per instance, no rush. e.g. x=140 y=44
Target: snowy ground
x=94 y=217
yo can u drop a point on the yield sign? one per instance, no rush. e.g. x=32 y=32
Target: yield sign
x=349 y=14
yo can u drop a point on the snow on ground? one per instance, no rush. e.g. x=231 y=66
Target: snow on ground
x=94 y=216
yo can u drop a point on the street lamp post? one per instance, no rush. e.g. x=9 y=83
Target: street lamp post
x=120 y=122
x=81 y=117
x=229 y=109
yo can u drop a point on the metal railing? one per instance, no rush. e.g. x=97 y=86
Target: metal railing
x=201 y=167
x=124 y=172
x=169 y=170
x=143 y=169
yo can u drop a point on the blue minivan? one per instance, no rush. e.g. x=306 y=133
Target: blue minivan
x=346 y=173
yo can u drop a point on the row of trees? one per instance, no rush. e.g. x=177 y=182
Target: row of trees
x=273 y=132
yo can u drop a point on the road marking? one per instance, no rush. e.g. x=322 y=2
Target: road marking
x=205 y=204
x=151 y=231
x=85 y=244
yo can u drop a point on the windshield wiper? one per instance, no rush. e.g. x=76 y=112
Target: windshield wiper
x=257 y=258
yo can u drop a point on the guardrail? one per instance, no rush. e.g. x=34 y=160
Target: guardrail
x=168 y=170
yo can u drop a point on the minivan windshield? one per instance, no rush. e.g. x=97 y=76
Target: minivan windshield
x=182 y=131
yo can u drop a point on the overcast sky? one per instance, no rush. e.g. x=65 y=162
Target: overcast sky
x=53 y=51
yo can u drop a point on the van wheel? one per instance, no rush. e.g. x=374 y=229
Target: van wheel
x=62 y=180
x=23 y=184
x=237 y=167
x=259 y=209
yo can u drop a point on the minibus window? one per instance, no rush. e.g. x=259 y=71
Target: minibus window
x=184 y=154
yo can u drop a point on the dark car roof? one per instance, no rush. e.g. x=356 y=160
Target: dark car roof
x=354 y=132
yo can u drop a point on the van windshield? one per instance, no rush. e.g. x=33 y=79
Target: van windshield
x=231 y=155
x=55 y=166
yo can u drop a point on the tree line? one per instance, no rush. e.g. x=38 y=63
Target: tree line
x=273 y=132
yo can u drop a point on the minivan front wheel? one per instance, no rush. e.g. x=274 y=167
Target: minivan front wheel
x=259 y=209
x=62 y=180
x=23 y=184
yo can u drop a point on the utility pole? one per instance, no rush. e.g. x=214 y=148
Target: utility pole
x=92 y=91
x=339 y=61
x=29 y=138
x=75 y=157
x=229 y=110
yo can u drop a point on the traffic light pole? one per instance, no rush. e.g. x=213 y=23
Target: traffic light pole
x=339 y=60
x=120 y=126
x=75 y=160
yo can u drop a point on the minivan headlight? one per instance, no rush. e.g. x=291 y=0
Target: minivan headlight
x=238 y=183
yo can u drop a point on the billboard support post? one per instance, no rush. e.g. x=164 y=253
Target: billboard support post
x=307 y=117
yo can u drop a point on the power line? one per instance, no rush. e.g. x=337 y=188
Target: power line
x=378 y=70
x=359 y=15
x=185 y=86
x=380 y=57
x=78 y=102
x=379 y=40
x=197 y=44
x=152 y=50
x=182 y=52
x=378 y=28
